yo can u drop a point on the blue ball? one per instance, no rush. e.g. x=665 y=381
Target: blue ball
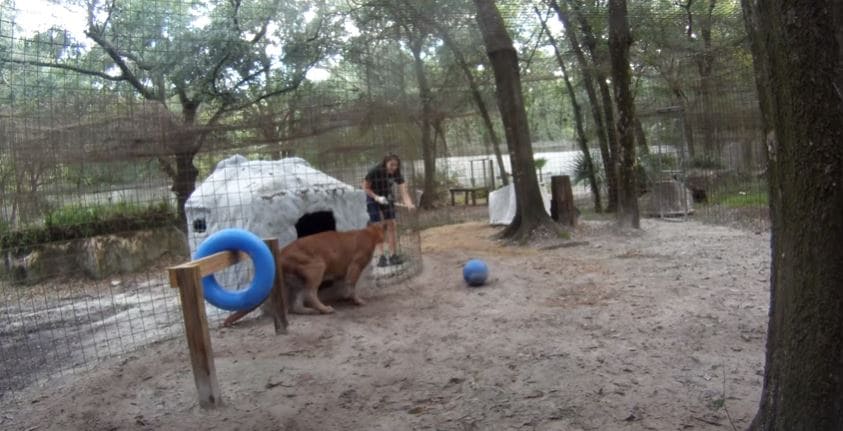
x=475 y=272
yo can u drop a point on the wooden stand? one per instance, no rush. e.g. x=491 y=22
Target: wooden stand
x=472 y=191
x=562 y=200
x=187 y=278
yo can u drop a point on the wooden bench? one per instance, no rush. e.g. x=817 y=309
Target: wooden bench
x=468 y=191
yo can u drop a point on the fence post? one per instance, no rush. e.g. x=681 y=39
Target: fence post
x=189 y=282
x=278 y=295
x=562 y=200
x=492 y=173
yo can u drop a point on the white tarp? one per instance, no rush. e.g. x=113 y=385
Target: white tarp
x=267 y=198
x=502 y=204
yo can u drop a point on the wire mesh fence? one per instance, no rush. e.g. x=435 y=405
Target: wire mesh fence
x=131 y=131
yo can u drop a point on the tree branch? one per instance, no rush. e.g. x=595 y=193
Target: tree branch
x=72 y=68
x=296 y=83
x=127 y=73
x=166 y=167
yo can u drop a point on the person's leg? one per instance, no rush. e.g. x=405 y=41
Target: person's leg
x=380 y=249
x=376 y=216
x=392 y=234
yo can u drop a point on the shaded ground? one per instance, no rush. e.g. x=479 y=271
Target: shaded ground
x=661 y=329
x=68 y=324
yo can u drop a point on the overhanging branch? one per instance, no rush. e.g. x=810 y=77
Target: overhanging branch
x=125 y=71
x=69 y=67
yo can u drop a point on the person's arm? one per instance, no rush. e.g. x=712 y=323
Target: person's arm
x=408 y=200
x=367 y=188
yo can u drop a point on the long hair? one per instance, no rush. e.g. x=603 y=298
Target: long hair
x=390 y=157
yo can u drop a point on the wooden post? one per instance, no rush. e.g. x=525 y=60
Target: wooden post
x=278 y=295
x=562 y=200
x=189 y=280
x=492 y=173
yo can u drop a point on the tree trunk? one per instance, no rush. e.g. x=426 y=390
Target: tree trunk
x=582 y=140
x=531 y=216
x=799 y=74
x=687 y=131
x=184 y=174
x=184 y=183
x=487 y=119
x=641 y=137
x=475 y=94
x=597 y=61
x=705 y=63
x=440 y=132
x=612 y=137
x=602 y=125
x=709 y=144
x=428 y=152
x=619 y=43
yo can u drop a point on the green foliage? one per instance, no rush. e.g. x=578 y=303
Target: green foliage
x=745 y=193
x=581 y=174
x=72 y=222
x=540 y=163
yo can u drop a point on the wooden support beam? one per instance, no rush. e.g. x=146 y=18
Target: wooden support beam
x=189 y=280
x=211 y=264
x=278 y=295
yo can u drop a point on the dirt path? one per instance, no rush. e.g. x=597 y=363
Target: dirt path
x=661 y=330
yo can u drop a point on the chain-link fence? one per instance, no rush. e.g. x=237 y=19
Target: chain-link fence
x=130 y=131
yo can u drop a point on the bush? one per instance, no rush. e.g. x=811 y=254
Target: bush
x=581 y=172
x=73 y=222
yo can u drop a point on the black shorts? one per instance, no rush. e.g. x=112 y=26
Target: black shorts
x=375 y=211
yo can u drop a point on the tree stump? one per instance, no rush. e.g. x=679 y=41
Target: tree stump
x=562 y=200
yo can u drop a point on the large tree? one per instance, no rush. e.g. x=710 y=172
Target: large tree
x=201 y=73
x=390 y=23
x=417 y=38
x=798 y=51
x=604 y=126
x=530 y=217
x=582 y=138
x=619 y=42
x=600 y=68
x=437 y=22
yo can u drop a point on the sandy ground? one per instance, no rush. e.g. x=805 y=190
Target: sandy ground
x=661 y=330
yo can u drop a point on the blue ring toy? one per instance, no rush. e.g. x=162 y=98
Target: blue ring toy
x=264 y=263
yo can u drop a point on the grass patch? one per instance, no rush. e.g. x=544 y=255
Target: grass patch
x=744 y=199
x=73 y=222
x=741 y=194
